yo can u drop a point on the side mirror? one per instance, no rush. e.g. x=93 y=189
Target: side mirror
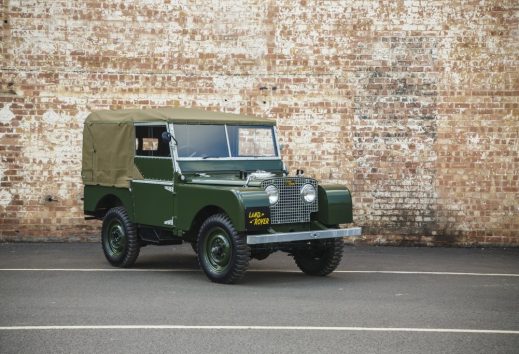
x=166 y=137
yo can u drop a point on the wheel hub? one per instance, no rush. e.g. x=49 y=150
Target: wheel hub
x=116 y=238
x=218 y=251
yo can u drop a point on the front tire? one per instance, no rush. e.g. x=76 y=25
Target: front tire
x=119 y=238
x=320 y=257
x=222 y=253
x=194 y=246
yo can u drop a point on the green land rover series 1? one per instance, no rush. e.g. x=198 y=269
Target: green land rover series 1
x=215 y=180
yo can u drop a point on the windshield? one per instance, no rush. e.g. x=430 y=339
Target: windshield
x=218 y=141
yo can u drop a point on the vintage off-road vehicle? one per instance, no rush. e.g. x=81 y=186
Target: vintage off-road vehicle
x=216 y=180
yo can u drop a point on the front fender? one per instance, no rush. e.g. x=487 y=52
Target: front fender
x=335 y=205
x=192 y=198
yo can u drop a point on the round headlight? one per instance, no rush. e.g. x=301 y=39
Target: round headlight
x=273 y=194
x=308 y=193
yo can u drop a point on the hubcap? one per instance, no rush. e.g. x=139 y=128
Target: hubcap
x=116 y=238
x=218 y=250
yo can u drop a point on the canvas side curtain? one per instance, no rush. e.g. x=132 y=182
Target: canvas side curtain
x=108 y=151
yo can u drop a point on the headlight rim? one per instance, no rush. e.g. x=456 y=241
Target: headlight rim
x=308 y=186
x=273 y=194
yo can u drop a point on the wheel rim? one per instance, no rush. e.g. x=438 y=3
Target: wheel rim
x=218 y=250
x=116 y=239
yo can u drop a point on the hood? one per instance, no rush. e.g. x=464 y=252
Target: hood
x=252 y=179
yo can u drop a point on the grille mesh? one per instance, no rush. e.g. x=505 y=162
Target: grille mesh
x=291 y=208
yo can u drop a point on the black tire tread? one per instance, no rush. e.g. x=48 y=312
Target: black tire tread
x=194 y=246
x=241 y=249
x=327 y=264
x=133 y=247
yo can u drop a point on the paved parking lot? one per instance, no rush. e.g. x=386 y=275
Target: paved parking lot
x=66 y=298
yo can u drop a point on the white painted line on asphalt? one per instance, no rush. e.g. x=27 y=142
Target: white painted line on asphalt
x=96 y=270
x=394 y=272
x=263 y=328
x=253 y=270
x=428 y=273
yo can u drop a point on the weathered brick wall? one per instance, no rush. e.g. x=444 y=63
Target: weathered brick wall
x=413 y=104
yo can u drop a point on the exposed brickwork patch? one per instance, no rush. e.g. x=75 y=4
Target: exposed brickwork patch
x=413 y=104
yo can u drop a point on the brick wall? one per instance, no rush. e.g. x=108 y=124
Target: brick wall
x=413 y=104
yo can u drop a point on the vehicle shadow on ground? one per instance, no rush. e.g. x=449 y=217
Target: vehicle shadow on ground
x=167 y=261
x=254 y=276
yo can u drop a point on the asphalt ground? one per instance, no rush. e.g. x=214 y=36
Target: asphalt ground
x=65 y=298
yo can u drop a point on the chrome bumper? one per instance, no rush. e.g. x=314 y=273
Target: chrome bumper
x=302 y=235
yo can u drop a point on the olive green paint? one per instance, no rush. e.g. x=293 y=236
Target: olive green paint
x=155 y=168
x=235 y=165
x=192 y=198
x=95 y=195
x=154 y=204
x=335 y=205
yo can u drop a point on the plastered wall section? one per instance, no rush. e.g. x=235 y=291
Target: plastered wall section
x=412 y=104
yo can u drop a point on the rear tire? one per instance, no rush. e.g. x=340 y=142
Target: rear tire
x=119 y=238
x=223 y=254
x=321 y=257
x=260 y=255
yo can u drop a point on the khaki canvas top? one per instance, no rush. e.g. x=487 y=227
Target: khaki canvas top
x=174 y=115
x=109 y=139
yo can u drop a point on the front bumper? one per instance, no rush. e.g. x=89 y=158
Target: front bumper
x=302 y=235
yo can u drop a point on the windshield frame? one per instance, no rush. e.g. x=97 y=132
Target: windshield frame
x=275 y=141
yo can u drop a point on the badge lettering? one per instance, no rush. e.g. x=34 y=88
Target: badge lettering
x=258 y=218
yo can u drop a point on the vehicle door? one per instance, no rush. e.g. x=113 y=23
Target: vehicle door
x=154 y=194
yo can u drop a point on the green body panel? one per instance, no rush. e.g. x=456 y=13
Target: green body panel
x=253 y=197
x=95 y=195
x=192 y=198
x=220 y=165
x=153 y=196
x=335 y=205
x=155 y=168
x=154 y=204
x=157 y=205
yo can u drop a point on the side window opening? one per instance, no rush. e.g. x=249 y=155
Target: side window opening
x=148 y=141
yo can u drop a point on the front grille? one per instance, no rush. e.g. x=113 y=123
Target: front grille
x=291 y=208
